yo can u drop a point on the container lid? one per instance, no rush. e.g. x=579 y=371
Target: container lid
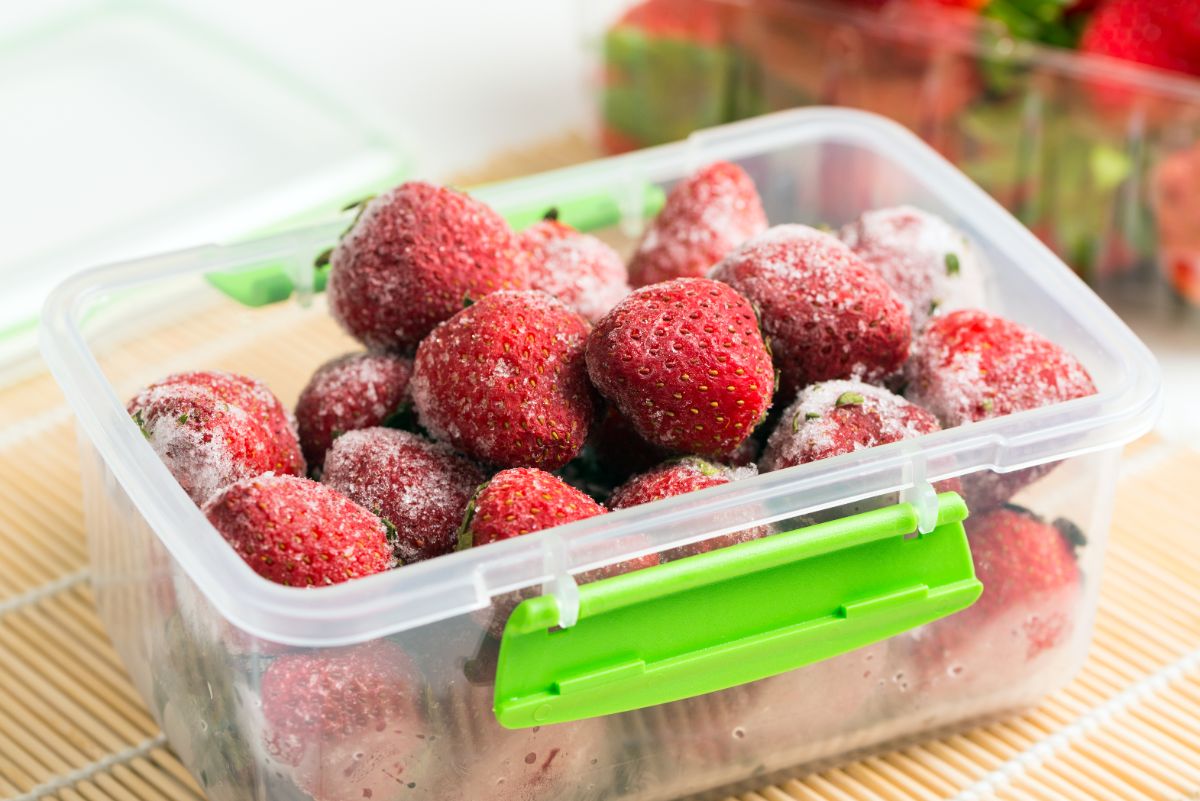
x=142 y=130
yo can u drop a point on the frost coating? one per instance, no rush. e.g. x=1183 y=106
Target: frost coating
x=931 y=265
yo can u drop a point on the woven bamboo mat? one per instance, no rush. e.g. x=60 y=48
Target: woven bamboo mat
x=73 y=728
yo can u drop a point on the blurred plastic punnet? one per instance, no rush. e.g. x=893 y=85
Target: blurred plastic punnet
x=1097 y=154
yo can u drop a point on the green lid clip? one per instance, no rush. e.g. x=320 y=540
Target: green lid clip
x=733 y=615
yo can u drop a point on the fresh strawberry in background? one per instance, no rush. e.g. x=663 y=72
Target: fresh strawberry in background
x=357 y=390
x=1176 y=198
x=420 y=489
x=684 y=361
x=300 y=533
x=348 y=724
x=212 y=429
x=1031 y=587
x=668 y=70
x=504 y=381
x=970 y=365
x=1158 y=33
x=521 y=501
x=578 y=269
x=678 y=477
x=827 y=314
x=705 y=217
x=412 y=258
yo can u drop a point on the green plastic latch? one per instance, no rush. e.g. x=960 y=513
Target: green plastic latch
x=263 y=284
x=734 y=615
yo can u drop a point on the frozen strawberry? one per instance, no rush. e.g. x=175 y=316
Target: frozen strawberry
x=1031 y=594
x=580 y=270
x=620 y=449
x=300 y=533
x=208 y=443
x=348 y=724
x=705 y=217
x=971 y=365
x=931 y=265
x=257 y=399
x=357 y=390
x=419 y=488
x=412 y=258
x=504 y=381
x=836 y=417
x=521 y=501
x=678 y=477
x=685 y=362
x=541 y=763
x=827 y=314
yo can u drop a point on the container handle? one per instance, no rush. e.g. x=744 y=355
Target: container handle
x=733 y=615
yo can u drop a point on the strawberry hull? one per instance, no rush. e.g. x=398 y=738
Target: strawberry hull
x=255 y=683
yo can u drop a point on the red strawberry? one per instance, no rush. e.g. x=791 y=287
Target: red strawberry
x=620 y=449
x=257 y=399
x=678 y=477
x=685 y=362
x=504 y=381
x=680 y=19
x=971 y=365
x=932 y=266
x=836 y=417
x=412 y=257
x=705 y=217
x=300 y=533
x=580 y=270
x=828 y=315
x=1158 y=33
x=1031 y=595
x=208 y=443
x=345 y=725
x=523 y=500
x=357 y=390
x=418 y=487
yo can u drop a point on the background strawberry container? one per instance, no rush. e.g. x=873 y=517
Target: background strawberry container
x=383 y=687
x=1099 y=158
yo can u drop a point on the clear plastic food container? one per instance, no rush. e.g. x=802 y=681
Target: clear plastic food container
x=701 y=673
x=1100 y=158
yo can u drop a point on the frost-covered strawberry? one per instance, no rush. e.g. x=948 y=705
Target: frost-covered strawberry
x=353 y=391
x=1027 y=612
x=259 y=402
x=300 y=533
x=836 y=417
x=521 y=501
x=208 y=442
x=970 y=365
x=705 y=217
x=419 y=488
x=931 y=265
x=504 y=381
x=678 y=477
x=412 y=257
x=578 y=269
x=684 y=361
x=346 y=725
x=827 y=314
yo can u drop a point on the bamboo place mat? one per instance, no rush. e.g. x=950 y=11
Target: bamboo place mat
x=73 y=728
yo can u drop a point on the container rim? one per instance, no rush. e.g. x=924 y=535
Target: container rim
x=464 y=581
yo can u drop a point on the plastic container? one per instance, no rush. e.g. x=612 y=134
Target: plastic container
x=1100 y=158
x=207 y=641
